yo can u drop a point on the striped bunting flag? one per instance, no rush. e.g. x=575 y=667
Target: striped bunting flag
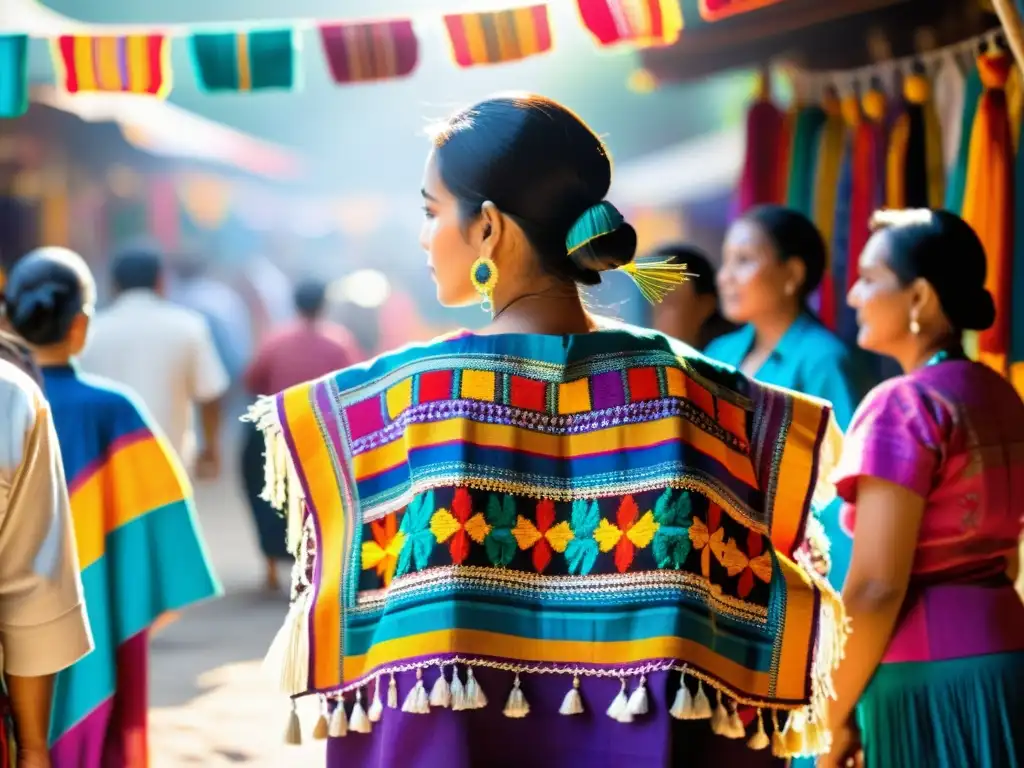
x=255 y=60
x=493 y=37
x=362 y=52
x=13 y=75
x=113 y=63
x=716 y=10
x=636 y=22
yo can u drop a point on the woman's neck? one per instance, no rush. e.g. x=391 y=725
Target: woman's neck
x=48 y=357
x=768 y=331
x=918 y=355
x=555 y=312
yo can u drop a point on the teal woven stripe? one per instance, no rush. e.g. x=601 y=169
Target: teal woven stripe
x=13 y=75
x=216 y=60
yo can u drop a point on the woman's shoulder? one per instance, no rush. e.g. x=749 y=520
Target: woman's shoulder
x=731 y=346
x=115 y=401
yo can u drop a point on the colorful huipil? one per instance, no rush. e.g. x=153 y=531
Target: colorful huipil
x=140 y=555
x=500 y=523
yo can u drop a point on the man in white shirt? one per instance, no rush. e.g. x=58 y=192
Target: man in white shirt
x=165 y=353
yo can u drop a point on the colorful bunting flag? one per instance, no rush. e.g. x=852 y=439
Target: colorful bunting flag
x=113 y=63
x=636 y=22
x=256 y=60
x=716 y=10
x=499 y=36
x=359 y=53
x=13 y=75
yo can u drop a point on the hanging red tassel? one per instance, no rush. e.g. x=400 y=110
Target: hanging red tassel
x=763 y=177
x=988 y=200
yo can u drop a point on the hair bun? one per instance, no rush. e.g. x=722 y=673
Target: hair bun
x=977 y=313
x=601 y=239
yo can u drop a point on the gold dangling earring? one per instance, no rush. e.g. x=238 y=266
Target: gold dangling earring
x=484 y=276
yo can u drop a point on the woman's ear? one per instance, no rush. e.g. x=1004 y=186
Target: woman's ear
x=796 y=275
x=492 y=227
x=923 y=301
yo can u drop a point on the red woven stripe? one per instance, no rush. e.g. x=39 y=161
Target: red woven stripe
x=460 y=45
x=542 y=27
x=154 y=47
x=67 y=54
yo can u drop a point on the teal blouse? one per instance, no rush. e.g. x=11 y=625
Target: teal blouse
x=810 y=359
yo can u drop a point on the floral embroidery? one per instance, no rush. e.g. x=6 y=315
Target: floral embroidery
x=419 y=539
x=543 y=536
x=501 y=517
x=759 y=565
x=455 y=525
x=672 y=539
x=708 y=538
x=581 y=552
x=382 y=553
x=628 y=535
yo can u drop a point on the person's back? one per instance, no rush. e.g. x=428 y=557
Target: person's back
x=162 y=352
x=557 y=540
x=138 y=548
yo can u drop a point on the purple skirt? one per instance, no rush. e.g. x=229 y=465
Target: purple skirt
x=485 y=738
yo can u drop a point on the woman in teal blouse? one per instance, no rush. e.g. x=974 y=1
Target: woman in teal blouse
x=772 y=261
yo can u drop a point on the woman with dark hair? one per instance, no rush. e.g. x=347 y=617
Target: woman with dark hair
x=138 y=546
x=772 y=261
x=558 y=540
x=932 y=471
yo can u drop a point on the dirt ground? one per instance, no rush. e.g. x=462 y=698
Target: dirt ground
x=210 y=704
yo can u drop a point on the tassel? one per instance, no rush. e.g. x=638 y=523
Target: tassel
x=720 y=718
x=360 y=721
x=701 y=704
x=376 y=706
x=794 y=734
x=516 y=707
x=441 y=694
x=287 y=660
x=475 y=698
x=619 y=708
x=417 y=702
x=392 y=693
x=778 y=741
x=293 y=733
x=817 y=740
x=638 y=699
x=321 y=727
x=456 y=691
x=572 y=704
x=682 y=707
x=656 y=279
x=734 y=726
x=339 y=723
x=759 y=740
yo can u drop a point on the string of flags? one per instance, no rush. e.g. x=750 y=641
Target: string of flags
x=262 y=58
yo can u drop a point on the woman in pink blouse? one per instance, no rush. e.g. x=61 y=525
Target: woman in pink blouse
x=933 y=475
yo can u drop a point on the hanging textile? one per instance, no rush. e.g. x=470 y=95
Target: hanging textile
x=359 y=53
x=988 y=200
x=803 y=155
x=958 y=175
x=948 y=87
x=1015 y=102
x=850 y=213
x=639 y=23
x=831 y=143
x=907 y=166
x=495 y=37
x=256 y=60
x=765 y=161
x=716 y=10
x=1017 y=281
x=13 y=75
x=113 y=63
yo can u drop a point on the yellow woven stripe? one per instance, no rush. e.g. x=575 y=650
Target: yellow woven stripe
x=137 y=56
x=526 y=32
x=244 y=65
x=108 y=69
x=473 y=28
x=84 y=64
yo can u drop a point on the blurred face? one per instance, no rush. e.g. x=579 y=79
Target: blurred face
x=884 y=306
x=450 y=249
x=684 y=312
x=753 y=281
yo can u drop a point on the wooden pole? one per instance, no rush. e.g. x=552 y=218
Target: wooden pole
x=1013 y=25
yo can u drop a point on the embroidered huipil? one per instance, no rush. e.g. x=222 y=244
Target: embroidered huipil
x=508 y=537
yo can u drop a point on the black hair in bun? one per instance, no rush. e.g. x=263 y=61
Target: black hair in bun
x=940 y=247
x=794 y=237
x=540 y=165
x=45 y=291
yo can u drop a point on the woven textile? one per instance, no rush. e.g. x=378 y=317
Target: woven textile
x=636 y=22
x=358 y=53
x=604 y=505
x=246 y=61
x=716 y=10
x=13 y=75
x=494 y=37
x=113 y=63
